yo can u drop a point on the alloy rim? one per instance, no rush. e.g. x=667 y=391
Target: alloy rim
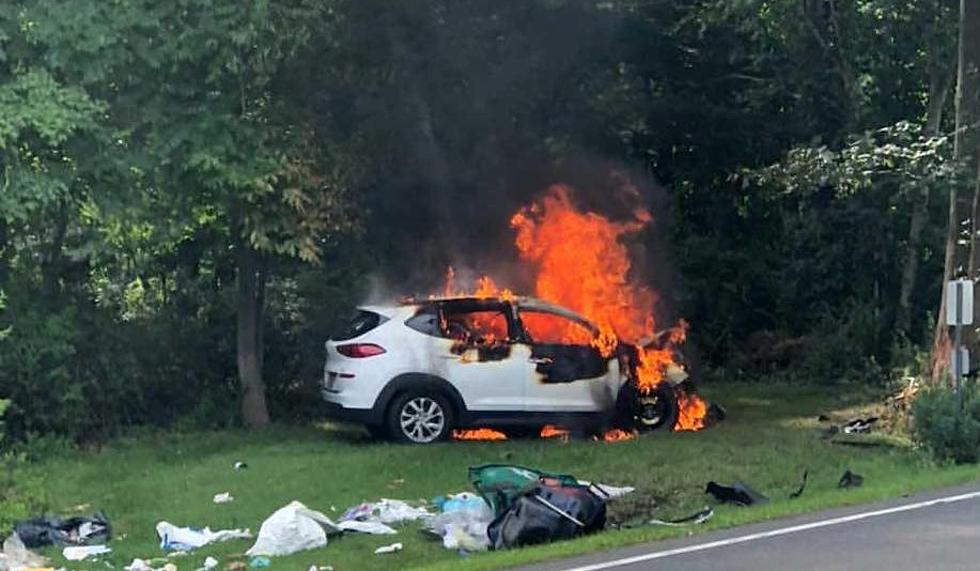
x=422 y=419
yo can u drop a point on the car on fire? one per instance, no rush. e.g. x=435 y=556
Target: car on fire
x=417 y=371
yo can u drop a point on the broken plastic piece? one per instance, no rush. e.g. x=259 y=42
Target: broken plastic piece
x=693 y=519
x=802 y=487
x=738 y=493
x=239 y=465
x=389 y=548
x=609 y=492
x=850 y=480
x=859 y=425
x=223 y=498
x=260 y=562
x=371 y=527
x=80 y=552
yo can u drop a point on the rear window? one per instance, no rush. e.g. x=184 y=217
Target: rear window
x=358 y=324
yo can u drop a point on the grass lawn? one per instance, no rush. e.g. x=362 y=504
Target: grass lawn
x=770 y=437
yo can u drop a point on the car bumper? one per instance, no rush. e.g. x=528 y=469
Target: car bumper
x=338 y=411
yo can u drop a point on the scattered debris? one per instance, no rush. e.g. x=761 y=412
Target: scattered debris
x=823 y=418
x=850 y=480
x=80 y=552
x=859 y=425
x=260 y=562
x=149 y=565
x=799 y=491
x=462 y=525
x=371 y=527
x=236 y=566
x=389 y=548
x=716 y=414
x=41 y=532
x=209 y=563
x=738 y=493
x=385 y=511
x=138 y=565
x=693 y=519
x=223 y=498
x=173 y=538
x=292 y=528
x=16 y=555
x=548 y=511
x=610 y=492
x=239 y=465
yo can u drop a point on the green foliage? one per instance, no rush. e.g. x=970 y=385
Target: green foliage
x=948 y=431
x=143 y=144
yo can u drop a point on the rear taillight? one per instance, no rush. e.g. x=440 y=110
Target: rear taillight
x=360 y=350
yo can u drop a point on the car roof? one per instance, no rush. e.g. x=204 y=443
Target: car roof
x=522 y=302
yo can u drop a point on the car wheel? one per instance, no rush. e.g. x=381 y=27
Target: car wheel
x=646 y=412
x=420 y=418
x=658 y=409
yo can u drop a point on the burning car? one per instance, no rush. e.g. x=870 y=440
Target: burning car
x=419 y=370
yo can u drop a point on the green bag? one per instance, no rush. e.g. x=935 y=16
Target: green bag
x=501 y=484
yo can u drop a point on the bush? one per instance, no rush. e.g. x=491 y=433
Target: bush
x=946 y=431
x=21 y=498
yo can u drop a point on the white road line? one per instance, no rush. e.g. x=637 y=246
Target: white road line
x=773 y=533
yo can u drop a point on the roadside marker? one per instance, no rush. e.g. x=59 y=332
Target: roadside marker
x=773 y=533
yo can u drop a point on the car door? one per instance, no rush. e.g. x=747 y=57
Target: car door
x=565 y=372
x=473 y=348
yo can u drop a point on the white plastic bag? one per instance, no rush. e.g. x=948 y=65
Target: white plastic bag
x=187 y=539
x=463 y=523
x=16 y=556
x=80 y=552
x=290 y=529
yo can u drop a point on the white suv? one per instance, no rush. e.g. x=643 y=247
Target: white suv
x=416 y=371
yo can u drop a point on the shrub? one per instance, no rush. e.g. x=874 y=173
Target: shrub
x=19 y=498
x=948 y=432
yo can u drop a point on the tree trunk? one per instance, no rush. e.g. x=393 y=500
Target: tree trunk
x=251 y=298
x=940 y=82
x=960 y=253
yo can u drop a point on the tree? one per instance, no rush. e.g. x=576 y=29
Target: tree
x=961 y=250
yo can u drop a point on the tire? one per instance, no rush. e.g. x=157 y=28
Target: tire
x=659 y=409
x=419 y=417
x=655 y=411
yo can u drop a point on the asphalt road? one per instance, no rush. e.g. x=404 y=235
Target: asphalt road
x=935 y=530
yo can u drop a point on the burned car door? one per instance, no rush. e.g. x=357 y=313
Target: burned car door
x=565 y=371
x=474 y=346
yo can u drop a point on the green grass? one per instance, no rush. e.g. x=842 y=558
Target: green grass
x=770 y=437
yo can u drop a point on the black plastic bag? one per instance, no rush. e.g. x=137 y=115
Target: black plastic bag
x=547 y=513
x=41 y=532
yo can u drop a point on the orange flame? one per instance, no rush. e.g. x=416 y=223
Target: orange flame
x=617 y=435
x=582 y=263
x=550 y=431
x=478 y=434
x=693 y=412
